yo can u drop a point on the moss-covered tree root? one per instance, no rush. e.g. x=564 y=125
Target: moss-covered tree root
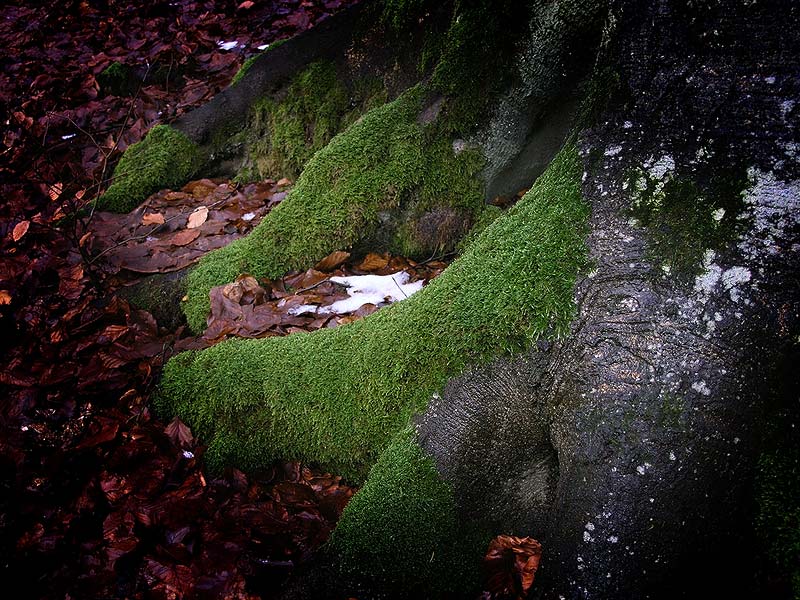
x=337 y=396
x=370 y=170
x=402 y=531
x=164 y=158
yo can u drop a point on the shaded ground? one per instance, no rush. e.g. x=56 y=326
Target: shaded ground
x=98 y=498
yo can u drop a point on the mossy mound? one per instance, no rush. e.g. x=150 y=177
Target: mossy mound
x=337 y=396
x=406 y=510
x=165 y=158
x=372 y=168
x=289 y=131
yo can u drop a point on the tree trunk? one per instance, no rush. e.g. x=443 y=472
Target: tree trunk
x=605 y=367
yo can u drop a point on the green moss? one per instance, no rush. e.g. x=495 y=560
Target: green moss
x=165 y=158
x=337 y=396
x=401 y=531
x=372 y=167
x=116 y=79
x=287 y=132
x=475 y=54
x=685 y=218
x=302 y=123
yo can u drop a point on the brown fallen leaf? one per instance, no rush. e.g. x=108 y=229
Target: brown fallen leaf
x=183 y=237
x=179 y=433
x=155 y=218
x=284 y=181
x=333 y=260
x=373 y=262
x=20 y=229
x=198 y=217
x=511 y=564
x=5 y=297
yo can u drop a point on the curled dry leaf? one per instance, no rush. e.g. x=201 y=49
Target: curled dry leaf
x=511 y=564
x=198 y=217
x=5 y=297
x=20 y=229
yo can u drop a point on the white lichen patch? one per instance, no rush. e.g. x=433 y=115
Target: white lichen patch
x=701 y=387
x=773 y=208
x=613 y=150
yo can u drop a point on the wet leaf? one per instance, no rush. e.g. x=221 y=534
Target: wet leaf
x=333 y=260
x=153 y=219
x=179 y=433
x=511 y=564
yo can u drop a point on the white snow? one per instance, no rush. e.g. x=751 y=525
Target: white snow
x=365 y=289
x=372 y=289
x=262 y=47
x=613 y=150
x=69 y=136
x=248 y=216
x=227 y=45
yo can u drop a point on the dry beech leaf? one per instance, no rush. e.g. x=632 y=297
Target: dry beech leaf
x=181 y=238
x=284 y=181
x=333 y=260
x=154 y=218
x=5 y=297
x=179 y=433
x=20 y=229
x=197 y=218
x=373 y=262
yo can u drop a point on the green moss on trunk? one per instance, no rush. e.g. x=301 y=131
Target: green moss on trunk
x=164 y=158
x=401 y=531
x=337 y=396
x=341 y=197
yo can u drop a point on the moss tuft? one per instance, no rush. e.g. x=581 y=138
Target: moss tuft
x=374 y=166
x=165 y=158
x=401 y=531
x=337 y=396
x=116 y=79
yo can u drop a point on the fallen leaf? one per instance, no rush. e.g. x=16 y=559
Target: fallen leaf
x=5 y=297
x=183 y=237
x=333 y=260
x=245 y=5
x=153 y=219
x=20 y=229
x=373 y=262
x=284 y=181
x=511 y=564
x=198 y=217
x=179 y=433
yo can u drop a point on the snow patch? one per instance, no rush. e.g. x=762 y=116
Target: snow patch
x=701 y=388
x=365 y=289
x=227 y=45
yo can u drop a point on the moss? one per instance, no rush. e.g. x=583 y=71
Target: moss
x=401 y=531
x=475 y=54
x=116 y=79
x=165 y=158
x=337 y=396
x=372 y=167
x=684 y=218
x=295 y=128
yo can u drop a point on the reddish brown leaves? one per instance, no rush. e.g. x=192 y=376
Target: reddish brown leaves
x=511 y=564
x=247 y=308
x=169 y=231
